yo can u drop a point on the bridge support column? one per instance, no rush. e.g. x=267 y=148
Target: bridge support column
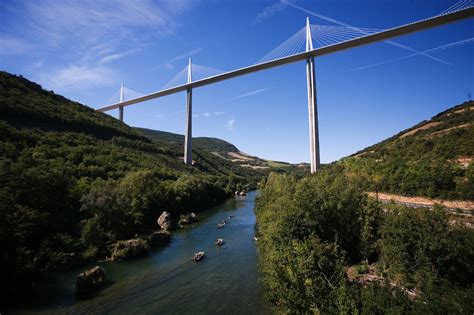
x=121 y=113
x=312 y=104
x=188 y=155
x=121 y=100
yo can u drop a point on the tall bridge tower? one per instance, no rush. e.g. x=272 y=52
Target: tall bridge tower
x=312 y=103
x=188 y=136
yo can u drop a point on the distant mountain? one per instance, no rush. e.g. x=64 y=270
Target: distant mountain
x=210 y=144
x=224 y=150
x=433 y=158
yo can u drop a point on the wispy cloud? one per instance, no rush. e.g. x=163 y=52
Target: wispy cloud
x=250 y=93
x=89 y=35
x=269 y=11
x=231 y=124
x=92 y=22
x=13 y=46
x=113 y=57
x=170 y=63
x=80 y=77
x=450 y=45
x=208 y=114
x=38 y=64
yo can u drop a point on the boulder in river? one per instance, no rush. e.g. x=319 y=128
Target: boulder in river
x=188 y=218
x=90 y=280
x=129 y=249
x=165 y=221
x=159 y=238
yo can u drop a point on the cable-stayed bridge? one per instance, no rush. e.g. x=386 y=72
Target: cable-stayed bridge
x=309 y=42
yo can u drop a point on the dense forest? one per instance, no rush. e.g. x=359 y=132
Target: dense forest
x=74 y=182
x=325 y=247
x=431 y=159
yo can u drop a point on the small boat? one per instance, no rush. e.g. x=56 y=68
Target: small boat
x=220 y=225
x=198 y=256
x=219 y=242
x=255 y=238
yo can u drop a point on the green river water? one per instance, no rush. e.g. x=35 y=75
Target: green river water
x=225 y=281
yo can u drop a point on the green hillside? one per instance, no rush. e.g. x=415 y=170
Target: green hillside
x=433 y=158
x=325 y=247
x=74 y=181
x=225 y=152
x=210 y=144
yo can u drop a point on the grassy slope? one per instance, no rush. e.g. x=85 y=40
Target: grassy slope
x=433 y=158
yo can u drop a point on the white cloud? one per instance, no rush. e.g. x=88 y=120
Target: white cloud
x=208 y=114
x=79 y=77
x=92 y=22
x=170 y=63
x=38 y=64
x=269 y=11
x=231 y=124
x=99 y=28
x=113 y=57
x=86 y=36
x=250 y=93
x=13 y=46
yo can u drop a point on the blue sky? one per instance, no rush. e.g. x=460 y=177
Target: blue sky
x=85 y=49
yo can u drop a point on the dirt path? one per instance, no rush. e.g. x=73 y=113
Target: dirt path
x=466 y=205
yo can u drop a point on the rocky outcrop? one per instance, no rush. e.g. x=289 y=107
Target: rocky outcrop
x=165 y=221
x=159 y=238
x=129 y=249
x=188 y=218
x=90 y=280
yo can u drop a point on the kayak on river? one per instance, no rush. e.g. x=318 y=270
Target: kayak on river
x=198 y=256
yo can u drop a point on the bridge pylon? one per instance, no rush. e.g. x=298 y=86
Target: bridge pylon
x=312 y=104
x=122 y=90
x=188 y=136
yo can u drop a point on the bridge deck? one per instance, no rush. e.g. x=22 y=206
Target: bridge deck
x=380 y=36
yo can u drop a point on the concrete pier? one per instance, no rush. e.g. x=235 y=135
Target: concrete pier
x=121 y=101
x=312 y=104
x=188 y=136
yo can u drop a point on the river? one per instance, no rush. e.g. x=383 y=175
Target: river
x=225 y=281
